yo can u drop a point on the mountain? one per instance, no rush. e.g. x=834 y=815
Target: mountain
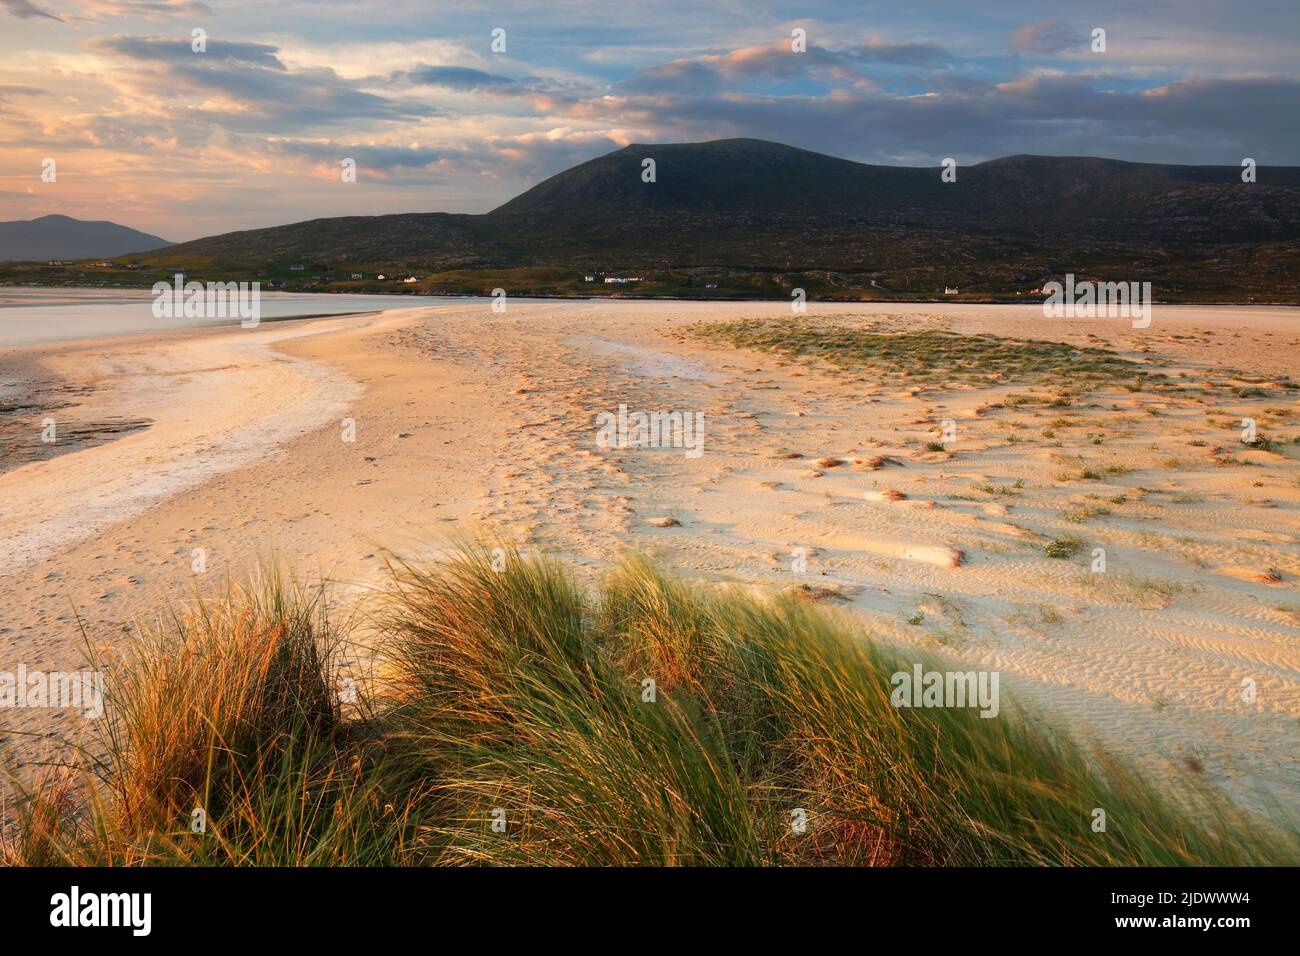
x=738 y=215
x=754 y=176
x=750 y=203
x=62 y=237
x=771 y=183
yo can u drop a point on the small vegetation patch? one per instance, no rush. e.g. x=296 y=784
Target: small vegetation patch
x=926 y=355
x=1066 y=547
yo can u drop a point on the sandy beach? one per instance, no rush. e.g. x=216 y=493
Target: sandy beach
x=839 y=483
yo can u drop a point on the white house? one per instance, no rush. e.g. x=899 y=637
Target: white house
x=950 y=290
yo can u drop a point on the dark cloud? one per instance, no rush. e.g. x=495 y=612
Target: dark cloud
x=906 y=54
x=180 y=50
x=26 y=10
x=457 y=78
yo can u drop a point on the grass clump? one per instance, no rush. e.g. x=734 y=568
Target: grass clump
x=654 y=721
x=1066 y=547
x=1077 y=514
x=227 y=746
x=928 y=354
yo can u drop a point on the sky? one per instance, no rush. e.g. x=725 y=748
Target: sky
x=253 y=129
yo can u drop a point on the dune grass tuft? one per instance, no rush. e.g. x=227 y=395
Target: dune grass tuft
x=226 y=745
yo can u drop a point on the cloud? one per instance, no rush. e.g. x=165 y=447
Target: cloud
x=768 y=62
x=26 y=10
x=457 y=78
x=172 y=50
x=1188 y=121
x=1045 y=36
x=778 y=63
x=145 y=9
x=103 y=9
x=518 y=159
x=682 y=76
x=244 y=86
x=911 y=54
x=533 y=94
x=371 y=159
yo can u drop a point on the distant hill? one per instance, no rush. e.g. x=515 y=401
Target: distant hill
x=62 y=237
x=754 y=204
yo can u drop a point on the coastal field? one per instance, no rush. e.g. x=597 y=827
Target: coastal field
x=1104 y=516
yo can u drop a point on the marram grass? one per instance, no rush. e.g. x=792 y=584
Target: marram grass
x=513 y=723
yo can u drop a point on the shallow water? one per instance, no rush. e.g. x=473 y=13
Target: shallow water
x=30 y=316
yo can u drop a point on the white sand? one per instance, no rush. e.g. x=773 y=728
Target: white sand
x=245 y=458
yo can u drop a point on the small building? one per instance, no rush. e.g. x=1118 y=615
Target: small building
x=588 y=278
x=56 y=262
x=950 y=290
x=358 y=275
x=409 y=279
x=297 y=267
